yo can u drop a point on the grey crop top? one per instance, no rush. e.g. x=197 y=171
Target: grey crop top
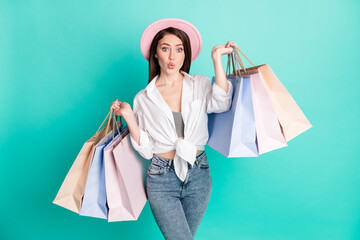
x=179 y=124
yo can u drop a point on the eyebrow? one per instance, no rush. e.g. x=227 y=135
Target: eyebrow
x=169 y=44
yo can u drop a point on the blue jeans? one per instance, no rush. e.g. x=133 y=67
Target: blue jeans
x=177 y=206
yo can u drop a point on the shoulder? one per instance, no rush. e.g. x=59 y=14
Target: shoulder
x=198 y=78
x=138 y=99
x=202 y=80
x=140 y=94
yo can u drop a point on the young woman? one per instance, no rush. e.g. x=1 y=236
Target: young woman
x=169 y=124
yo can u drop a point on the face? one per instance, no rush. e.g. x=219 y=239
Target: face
x=170 y=53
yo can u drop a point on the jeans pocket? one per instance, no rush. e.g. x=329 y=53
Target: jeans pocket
x=204 y=163
x=156 y=169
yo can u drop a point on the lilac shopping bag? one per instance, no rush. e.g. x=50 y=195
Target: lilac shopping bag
x=128 y=192
x=117 y=197
x=94 y=203
x=232 y=133
x=113 y=181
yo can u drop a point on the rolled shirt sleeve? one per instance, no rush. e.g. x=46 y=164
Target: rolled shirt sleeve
x=145 y=148
x=217 y=99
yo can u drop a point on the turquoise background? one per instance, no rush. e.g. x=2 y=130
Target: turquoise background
x=63 y=62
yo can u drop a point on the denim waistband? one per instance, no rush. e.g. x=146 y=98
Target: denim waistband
x=170 y=162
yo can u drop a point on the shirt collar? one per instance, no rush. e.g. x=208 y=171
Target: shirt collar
x=186 y=97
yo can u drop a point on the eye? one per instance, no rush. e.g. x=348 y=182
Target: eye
x=164 y=48
x=180 y=49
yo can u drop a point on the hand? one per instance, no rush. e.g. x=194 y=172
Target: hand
x=220 y=50
x=121 y=108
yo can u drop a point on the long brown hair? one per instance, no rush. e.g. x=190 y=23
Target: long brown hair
x=154 y=67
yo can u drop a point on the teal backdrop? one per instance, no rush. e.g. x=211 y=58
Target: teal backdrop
x=62 y=63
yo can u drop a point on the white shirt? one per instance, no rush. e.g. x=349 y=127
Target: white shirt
x=157 y=127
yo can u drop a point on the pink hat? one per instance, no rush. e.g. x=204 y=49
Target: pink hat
x=192 y=32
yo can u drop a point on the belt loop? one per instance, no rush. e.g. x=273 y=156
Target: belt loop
x=170 y=161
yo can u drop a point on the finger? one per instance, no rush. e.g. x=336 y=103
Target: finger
x=114 y=106
x=232 y=43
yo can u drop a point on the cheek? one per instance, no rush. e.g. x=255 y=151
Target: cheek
x=181 y=57
x=161 y=57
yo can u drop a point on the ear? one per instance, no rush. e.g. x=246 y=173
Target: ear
x=155 y=55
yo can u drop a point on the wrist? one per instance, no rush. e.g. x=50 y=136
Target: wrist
x=127 y=114
x=216 y=57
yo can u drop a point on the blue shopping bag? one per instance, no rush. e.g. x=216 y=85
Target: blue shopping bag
x=94 y=203
x=232 y=133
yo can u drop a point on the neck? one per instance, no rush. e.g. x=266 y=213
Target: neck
x=169 y=78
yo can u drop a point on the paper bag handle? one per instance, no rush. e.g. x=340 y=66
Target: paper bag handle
x=107 y=123
x=238 y=57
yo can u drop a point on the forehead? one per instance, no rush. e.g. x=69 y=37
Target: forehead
x=170 y=39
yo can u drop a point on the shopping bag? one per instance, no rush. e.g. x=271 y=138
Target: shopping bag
x=94 y=203
x=71 y=191
x=268 y=132
x=113 y=180
x=232 y=133
x=117 y=196
x=292 y=120
x=128 y=195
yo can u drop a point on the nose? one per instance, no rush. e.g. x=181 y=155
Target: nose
x=172 y=54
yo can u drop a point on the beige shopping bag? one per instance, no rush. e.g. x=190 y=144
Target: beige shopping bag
x=72 y=189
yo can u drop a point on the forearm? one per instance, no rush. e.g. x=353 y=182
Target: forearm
x=220 y=77
x=133 y=127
